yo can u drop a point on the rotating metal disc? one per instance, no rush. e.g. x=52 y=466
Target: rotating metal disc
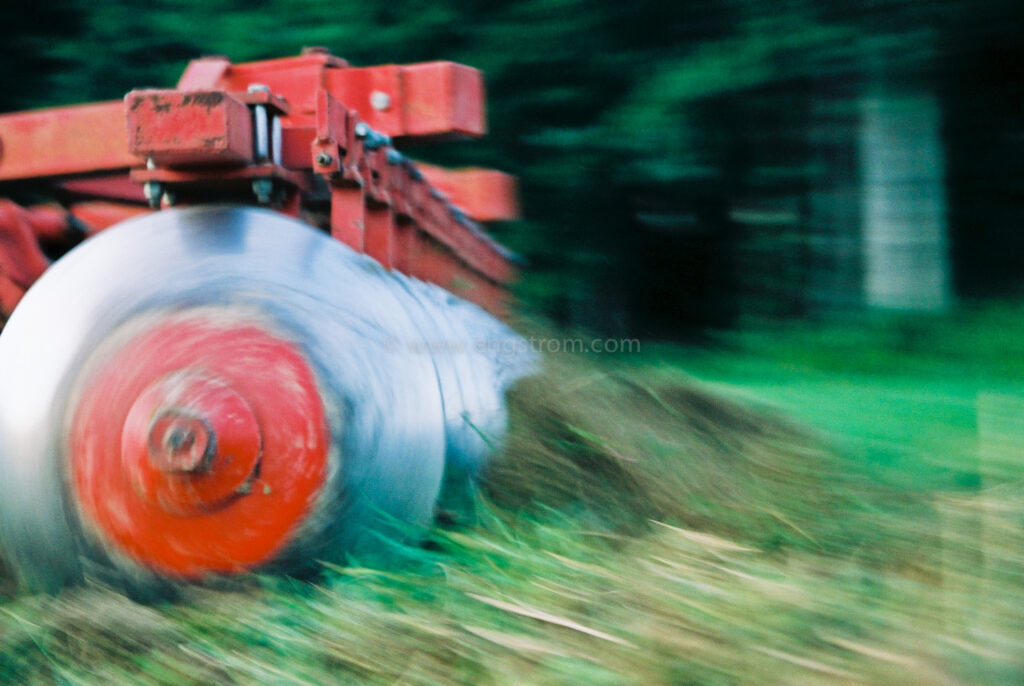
x=212 y=390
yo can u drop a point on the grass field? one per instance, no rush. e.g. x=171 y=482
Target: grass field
x=834 y=505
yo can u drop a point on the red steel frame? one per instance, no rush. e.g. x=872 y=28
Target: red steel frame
x=309 y=136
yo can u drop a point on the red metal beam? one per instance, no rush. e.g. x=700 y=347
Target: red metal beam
x=419 y=100
x=486 y=195
x=10 y=295
x=433 y=263
x=64 y=141
x=21 y=259
x=109 y=187
x=193 y=128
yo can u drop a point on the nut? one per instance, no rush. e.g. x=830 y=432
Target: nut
x=379 y=100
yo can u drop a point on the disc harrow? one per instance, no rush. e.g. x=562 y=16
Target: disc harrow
x=247 y=333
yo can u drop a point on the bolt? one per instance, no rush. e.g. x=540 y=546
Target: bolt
x=153 y=190
x=263 y=189
x=362 y=129
x=76 y=227
x=169 y=198
x=324 y=159
x=179 y=438
x=394 y=157
x=275 y=139
x=261 y=126
x=379 y=100
x=375 y=140
x=179 y=443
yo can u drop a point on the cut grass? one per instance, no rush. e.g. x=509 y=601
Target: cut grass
x=551 y=603
x=772 y=514
x=626 y=448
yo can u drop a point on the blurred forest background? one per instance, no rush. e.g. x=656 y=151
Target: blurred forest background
x=684 y=165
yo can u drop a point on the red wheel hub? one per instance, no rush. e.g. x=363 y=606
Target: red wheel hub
x=199 y=446
x=190 y=444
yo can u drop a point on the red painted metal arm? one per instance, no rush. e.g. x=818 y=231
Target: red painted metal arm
x=432 y=99
x=21 y=259
x=64 y=140
x=486 y=195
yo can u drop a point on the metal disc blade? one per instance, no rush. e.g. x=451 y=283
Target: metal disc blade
x=396 y=401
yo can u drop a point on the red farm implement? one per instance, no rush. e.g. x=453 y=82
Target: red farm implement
x=244 y=331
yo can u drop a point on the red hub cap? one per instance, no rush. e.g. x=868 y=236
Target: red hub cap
x=190 y=444
x=200 y=446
